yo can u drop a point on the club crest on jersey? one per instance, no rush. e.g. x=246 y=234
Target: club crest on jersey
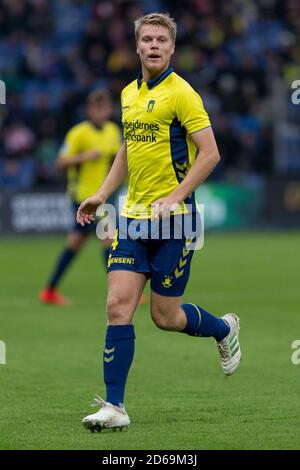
x=150 y=106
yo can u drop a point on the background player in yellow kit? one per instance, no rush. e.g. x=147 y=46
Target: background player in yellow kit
x=86 y=154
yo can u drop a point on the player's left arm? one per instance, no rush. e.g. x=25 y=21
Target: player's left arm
x=207 y=158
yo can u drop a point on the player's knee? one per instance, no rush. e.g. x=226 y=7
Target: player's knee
x=116 y=310
x=160 y=319
x=162 y=323
x=76 y=241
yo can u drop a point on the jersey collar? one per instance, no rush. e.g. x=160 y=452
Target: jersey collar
x=152 y=83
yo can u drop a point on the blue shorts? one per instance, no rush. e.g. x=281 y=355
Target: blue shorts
x=164 y=260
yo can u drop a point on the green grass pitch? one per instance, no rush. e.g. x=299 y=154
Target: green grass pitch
x=177 y=396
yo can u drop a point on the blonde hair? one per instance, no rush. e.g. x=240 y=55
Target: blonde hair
x=157 y=19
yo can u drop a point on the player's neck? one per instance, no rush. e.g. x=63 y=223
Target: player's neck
x=151 y=75
x=97 y=125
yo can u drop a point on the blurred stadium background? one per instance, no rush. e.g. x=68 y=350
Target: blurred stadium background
x=242 y=56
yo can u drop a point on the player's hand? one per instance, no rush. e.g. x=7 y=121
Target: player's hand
x=90 y=155
x=163 y=207
x=86 y=210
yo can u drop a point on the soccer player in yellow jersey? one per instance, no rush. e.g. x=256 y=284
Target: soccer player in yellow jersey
x=86 y=154
x=169 y=149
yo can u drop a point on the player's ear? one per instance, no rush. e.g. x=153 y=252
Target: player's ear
x=137 y=48
x=173 y=49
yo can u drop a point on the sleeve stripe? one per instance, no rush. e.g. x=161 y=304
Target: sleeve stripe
x=198 y=130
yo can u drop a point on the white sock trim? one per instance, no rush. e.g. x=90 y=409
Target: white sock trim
x=199 y=314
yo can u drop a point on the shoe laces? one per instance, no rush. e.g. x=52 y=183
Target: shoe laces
x=224 y=349
x=99 y=401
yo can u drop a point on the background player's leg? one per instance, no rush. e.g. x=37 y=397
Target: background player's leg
x=124 y=291
x=75 y=242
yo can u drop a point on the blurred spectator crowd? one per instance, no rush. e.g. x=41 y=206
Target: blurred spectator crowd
x=52 y=53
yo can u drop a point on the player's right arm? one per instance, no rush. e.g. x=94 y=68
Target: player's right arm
x=74 y=150
x=63 y=161
x=114 y=179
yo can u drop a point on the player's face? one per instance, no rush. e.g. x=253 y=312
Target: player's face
x=155 y=47
x=99 y=113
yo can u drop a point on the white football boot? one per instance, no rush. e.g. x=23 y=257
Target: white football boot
x=109 y=416
x=229 y=347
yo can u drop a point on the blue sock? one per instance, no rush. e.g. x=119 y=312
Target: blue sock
x=105 y=255
x=61 y=266
x=202 y=323
x=117 y=359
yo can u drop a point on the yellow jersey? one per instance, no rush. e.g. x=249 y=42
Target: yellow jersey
x=158 y=118
x=85 y=178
